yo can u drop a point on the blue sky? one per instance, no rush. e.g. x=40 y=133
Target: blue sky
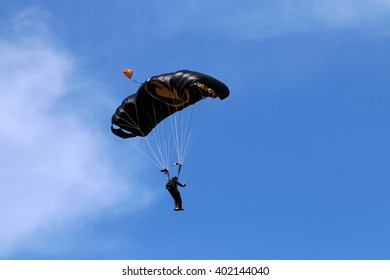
x=293 y=165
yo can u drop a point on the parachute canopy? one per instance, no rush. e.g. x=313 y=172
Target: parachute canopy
x=161 y=96
x=128 y=73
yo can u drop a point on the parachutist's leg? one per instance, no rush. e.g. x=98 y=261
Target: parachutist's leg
x=177 y=199
x=179 y=202
x=174 y=193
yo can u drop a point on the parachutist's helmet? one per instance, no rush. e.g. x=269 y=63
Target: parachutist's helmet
x=174 y=177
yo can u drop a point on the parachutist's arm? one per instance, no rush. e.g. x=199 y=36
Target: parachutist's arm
x=182 y=185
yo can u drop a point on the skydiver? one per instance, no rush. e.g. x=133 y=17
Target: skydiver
x=171 y=186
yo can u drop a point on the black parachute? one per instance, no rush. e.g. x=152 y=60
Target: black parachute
x=161 y=96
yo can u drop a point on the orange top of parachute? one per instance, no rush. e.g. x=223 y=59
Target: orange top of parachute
x=128 y=73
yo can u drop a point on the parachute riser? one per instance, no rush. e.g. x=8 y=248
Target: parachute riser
x=178 y=171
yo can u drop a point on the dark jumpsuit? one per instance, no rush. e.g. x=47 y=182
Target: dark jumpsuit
x=172 y=188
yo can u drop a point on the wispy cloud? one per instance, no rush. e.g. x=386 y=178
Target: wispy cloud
x=251 y=19
x=275 y=18
x=54 y=166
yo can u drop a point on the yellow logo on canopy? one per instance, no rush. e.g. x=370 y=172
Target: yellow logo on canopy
x=206 y=88
x=169 y=96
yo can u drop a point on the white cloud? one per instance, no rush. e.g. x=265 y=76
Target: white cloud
x=303 y=16
x=253 y=19
x=52 y=164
